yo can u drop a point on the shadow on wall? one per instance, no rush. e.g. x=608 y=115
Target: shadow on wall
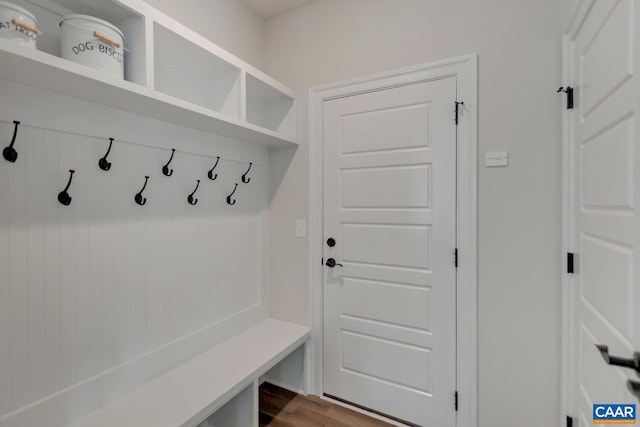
x=279 y=162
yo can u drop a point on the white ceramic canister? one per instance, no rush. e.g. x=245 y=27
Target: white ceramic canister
x=93 y=42
x=18 y=24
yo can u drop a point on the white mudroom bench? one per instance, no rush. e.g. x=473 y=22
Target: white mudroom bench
x=216 y=388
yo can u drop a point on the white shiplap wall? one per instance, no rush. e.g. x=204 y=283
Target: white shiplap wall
x=104 y=294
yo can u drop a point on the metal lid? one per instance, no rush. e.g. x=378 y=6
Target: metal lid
x=18 y=9
x=92 y=19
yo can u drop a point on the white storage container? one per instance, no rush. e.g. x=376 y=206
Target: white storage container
x=18 y=24
x=93 y=42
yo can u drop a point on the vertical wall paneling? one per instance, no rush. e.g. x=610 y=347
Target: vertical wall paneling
x=5 y=293
x=18 y=280
x=68 y=276
x=101 y=295
x=53 y=260
x=78 y=149
x=34 y=224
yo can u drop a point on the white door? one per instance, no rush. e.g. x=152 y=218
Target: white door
x=390 y=206
x=606 y=197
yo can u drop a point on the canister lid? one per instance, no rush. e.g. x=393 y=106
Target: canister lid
x=93 y=19
x=18 y=9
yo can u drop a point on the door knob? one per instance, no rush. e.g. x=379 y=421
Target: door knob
x=332 y=263
x=633 y=363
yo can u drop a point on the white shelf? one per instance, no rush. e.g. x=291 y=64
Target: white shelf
x=172 y=74
x=269 y=107
x=190 y=393
x=187 y=71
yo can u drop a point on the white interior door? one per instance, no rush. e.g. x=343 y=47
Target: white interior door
x=390 y=206
x=605 y=196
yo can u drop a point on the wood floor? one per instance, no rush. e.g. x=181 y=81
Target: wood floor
x=282 y=408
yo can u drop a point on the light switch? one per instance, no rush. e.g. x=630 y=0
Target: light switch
x=301 y=228
x=496 y=159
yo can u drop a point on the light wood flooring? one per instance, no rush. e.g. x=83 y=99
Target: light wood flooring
x=282 y=408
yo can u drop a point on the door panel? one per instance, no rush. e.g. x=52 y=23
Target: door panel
x=389 y=128
x=607 y=174
x=611 y=264
x=605 y=213
x=369 y=356
x=383 y=298
x=605 y=68
x=360 y=187
x=389 y=201
x=391 y=245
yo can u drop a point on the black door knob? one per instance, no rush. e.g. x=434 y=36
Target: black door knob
x=331 y=242
x=331 y=263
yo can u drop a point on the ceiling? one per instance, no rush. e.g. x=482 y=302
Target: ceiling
x=270 y=8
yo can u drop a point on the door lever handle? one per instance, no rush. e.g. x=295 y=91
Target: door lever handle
x=332 y=263
x=633 y=363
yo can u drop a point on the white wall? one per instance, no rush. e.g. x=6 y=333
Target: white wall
x=101 y=295
x=228 y=23
x=518 y=43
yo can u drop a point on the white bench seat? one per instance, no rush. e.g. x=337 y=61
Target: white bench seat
x=187 y=394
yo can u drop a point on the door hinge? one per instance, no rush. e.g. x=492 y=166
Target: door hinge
x=569 y=421
x=455 y=257
x=455 y=400
x=458 y=104
x=569 y=92
x=570 y=264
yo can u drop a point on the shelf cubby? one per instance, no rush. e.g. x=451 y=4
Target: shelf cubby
x=186 y=71
x=269 y=107
x=240 y=411
x=171 y=74
x=49 y=14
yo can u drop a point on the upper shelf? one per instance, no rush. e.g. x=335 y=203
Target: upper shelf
x=209 y=90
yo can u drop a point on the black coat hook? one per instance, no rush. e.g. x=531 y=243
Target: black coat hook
x=229 y=201
x=210 y=174
x=165 y=169
x=190 y=199
x=138 y=198
x=244 y=176
x=10 y=154
x=63 y=196
x=103 y=163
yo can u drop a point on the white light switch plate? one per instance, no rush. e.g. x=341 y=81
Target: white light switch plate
x=496 y=159
x=301 y=228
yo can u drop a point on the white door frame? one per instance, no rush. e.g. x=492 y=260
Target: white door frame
x=568 y=292
x=464 y=68
x=567 y=298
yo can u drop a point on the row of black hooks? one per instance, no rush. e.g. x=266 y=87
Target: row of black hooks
x=11 y=155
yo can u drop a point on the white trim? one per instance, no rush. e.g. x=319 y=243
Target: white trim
x=568 y=293
x=565 y=191
x=363 y=411
x=465 y=69
x=577 y=17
